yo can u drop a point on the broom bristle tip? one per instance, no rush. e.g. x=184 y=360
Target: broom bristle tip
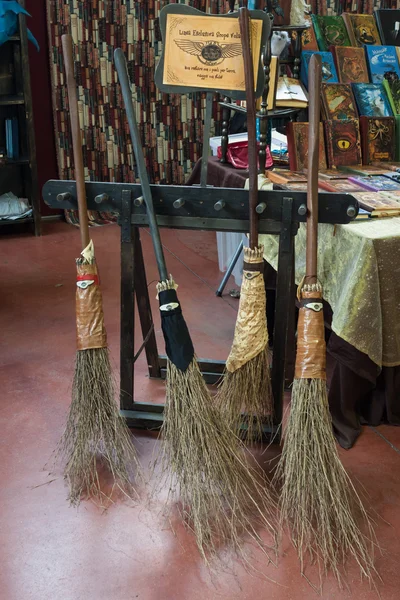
x=95 y=432
x=223 y=498
x=318 y=502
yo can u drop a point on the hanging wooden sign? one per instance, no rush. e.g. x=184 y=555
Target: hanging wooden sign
x=204 y=52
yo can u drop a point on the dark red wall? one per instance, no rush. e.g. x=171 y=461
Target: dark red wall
x=41 y=96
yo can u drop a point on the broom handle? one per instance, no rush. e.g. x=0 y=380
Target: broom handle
x=123 y=76
x=76 y=138
x=244 y=19
x=314 y=86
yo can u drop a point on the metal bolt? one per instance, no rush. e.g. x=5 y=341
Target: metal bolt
x=351 y=211
x=302 y=210
x=260 y=208
x=101 y=198
x=179 y=203
x=64 y=197
x=219 y=205
x=138 y=201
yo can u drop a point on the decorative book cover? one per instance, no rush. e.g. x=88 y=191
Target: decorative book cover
x=330 y=31
x=329 y=74
x=382 y=63
x=298 y=186
x=371 y=100
x=392 y=89
x=390 y=166
x=376 y=183
x=362 y=30
x=351 y=64
x=343 y=143
x=397 y=144
x=364 y=170
x=273 y=84
x=394 y=195
x=331 y=174
x=309 y=41
x=388 y=22
x=340 y=185
x=393 y=176
x=377 y=139
x=338 y=101
x=297 y=138
x=285 y=176
x=375 y=201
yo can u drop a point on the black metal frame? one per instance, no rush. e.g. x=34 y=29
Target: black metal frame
x=215 y=209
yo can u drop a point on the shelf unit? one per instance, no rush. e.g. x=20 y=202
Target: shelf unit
x=264 y=115
x=20 y=175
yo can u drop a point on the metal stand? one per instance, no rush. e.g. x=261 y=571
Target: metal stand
x=215 y=209
x=229 y=270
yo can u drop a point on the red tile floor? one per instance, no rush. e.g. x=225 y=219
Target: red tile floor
x=50 y=551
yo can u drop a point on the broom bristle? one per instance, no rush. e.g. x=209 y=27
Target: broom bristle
x=248 y=389
x=222 y=497
x=318 y=501
x=95 y=432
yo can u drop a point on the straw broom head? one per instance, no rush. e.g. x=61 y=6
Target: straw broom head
x=247 y=385
x=222 y=497
x=95 y=433
x=318 y=502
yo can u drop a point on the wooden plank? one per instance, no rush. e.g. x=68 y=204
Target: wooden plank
x=199 y=204
x=31 y=173
x=127 y=323
x=144 y=308
x=150 y=418
x=282 y=308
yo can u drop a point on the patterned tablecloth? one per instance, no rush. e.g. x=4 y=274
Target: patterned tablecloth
x=359 y=268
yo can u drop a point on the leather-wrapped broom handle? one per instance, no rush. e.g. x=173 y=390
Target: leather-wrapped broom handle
x=76 y=138
x=314 y=86
x=244 y=19
x=123 y=76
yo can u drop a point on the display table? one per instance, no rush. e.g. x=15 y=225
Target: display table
x=360 y=273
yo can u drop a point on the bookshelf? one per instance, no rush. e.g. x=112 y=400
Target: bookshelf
x=18 y=175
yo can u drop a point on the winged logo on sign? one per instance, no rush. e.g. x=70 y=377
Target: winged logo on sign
x=211 y=53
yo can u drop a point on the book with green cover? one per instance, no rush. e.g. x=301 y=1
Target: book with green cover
x=397 y=133
x=392 y=89
x=330 y=31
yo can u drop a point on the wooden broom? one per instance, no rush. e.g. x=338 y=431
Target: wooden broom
x=318 y=501
x=95 y=433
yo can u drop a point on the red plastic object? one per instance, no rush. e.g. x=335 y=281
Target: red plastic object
x=237 y=155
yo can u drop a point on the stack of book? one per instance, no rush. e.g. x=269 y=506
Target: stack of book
x=375 y=187
x=361 y=85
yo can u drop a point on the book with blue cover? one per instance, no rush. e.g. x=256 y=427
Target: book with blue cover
x=12 y=140
x=371 y=100
x=329 y=74
x=381 y=60
x=376 y=183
